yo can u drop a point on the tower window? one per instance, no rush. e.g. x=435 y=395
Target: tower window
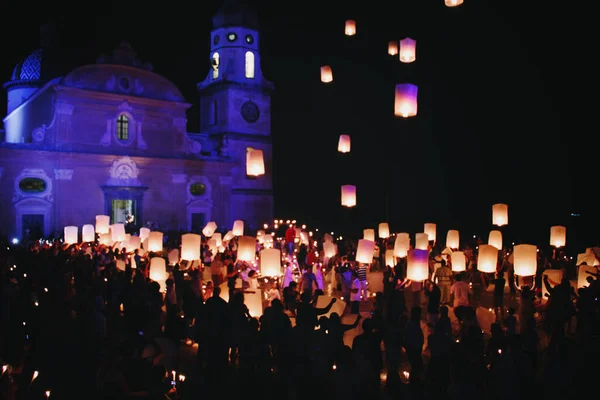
x=215 y=62
x=122 y=127
x=250 y=65
x=214 y=113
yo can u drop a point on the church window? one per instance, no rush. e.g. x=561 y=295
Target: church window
x=197 y=189
x=250 y=65
x=214 y=113
x=231 y=37
x=249 y=39
x=32 y=185
x=215 y=62
x=122 y=127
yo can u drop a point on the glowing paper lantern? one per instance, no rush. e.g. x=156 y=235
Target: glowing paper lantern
x=118 y=232
x=453 y=239
x=453 y=3
x=326 y=74
x=144 y=233
x=402 y=245
x=71 y=234
x=87 y=233
x=133 y=244
x=417 y=267
x=102 y=224
x=582 y=275
x=500 y=214
x=364 y=251
x=495 y=239
x=350 y=29
x=238 y=228
x=246 y=248
x=525 y=259
x=209 y=229
x=217 y=237
x=459 y=261
x=270 y=262
x=105 y=239
x=431 y=230
x=229 y=235
x=344 y=144
x=255 y=162
x=253 y=300
x=405 y=102
x=349 y=195
x=558 y=236
x=173 y=256
x=154 y=242
x=329 y=249
x=158 y=272
x=390 y=260
x=421 y=241
x=384 y=230
x=393 y=48
x=408 y=50
x=554 y=278
x=487 y=259
x=190 y=246
x=369 y=234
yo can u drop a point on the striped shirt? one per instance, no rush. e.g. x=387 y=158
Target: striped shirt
x=362 y=273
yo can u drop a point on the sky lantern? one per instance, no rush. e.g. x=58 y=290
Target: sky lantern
x=349 y=195
x=87 y=233
x=270 y=262
x=431 y=230
x=102 y=224
x=190 y=246
x=487 y=258
x=384 y=230
x=453 y=239
x=402 y=244
x=558 y=236
x=525 y=259
x=408 y=50
x=173 y=256
x=421 y=241
x=329 y=249
x=390 y=260
x=453 y=3
x=238 y=228
x=105 y=239
x=405 y=102
x=499 y=214
x=364 y=251
x=369 y=234
x=144 y=232
x=255 y=162
x=393 y=48
x=326 y=74
x=71 y=234
x=253 y=300
x=459 y=261
x=117 y=232
x=417 y=266
x=246 y=248
x=155 y=242
x=133 y=244
x=495 y=239
x=218 y=239
x=158 y=272
x=350 y=29
x=344 y=144
x=209 y=229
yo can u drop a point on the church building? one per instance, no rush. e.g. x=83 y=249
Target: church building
x=111 y=138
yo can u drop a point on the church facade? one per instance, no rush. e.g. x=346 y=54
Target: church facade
x=111 y=138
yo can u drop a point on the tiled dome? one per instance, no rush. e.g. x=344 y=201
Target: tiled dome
x=30 y=69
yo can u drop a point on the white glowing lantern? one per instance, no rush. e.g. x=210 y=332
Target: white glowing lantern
x=209 y=229
x=344 y=144
x=417 y=266
x=238 y=228
x=453 y=239
x=459 y=261
x=408 y=50
x=105 y=239
x=144 y=233
x=118 y=232
x=525 y=259
x=102 y=224
x=71 y=234
x=155 y=242
x=558 y=236
x=582 y=275
x=329 y=249
x=453 y=3
x=402 y=245
x=133 y=244
x=405 y=102
x=255 y=162
x=173 y=256
x=158 y=272
x=349 y=195
x=369 y=234
x=421 y=241
x=229 y=235
x=253 y=300
x=350 y=28
x=384 y=230
x=190 y=246
x=495 y=239
x=217 y=237
x=326 y=74
x=554 y=278
x=87 y=233
x=431 y=230
x=393 y=48
x=270 y=262
x=246 y=248
x=364 y=251
x=500 y=214
x=487 y=258
x=390 y=260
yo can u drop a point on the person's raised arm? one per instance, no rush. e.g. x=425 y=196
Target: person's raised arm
x=347 y=327
x=325 y=310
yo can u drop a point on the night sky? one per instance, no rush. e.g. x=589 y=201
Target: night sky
x=505 y=103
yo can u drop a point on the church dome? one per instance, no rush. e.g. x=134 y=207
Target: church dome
x=233 y=13
x=30 y=69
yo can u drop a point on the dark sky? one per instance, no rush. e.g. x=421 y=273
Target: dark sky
x=503 y=102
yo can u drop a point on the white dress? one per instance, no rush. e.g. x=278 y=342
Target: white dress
x=288 y=277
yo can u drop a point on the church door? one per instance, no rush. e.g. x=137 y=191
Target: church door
x=33 y=226
x=198 y=222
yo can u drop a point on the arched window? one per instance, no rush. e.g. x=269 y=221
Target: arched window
x=249 y=65
x=122 y=127
x=214 y=113
x=215 y=65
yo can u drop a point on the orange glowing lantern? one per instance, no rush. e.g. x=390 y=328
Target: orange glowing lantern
x=558 y=236
x=417 y=267
x=405 y=103
x=390 y=260
x=117 y=232
x=364 y=251
x=144 y=232
x=393 y=48
x=453 y=239
x=495 y=239
x=525 y=259
x=369 y=234
x=431 y=230
x=459 y=261
x=349 y=195
x=246 y=248
x=270 y=262
x=102 y=224
x=344 y=144
x=402 y=245
x=238 y=228
x=384 y=230
x=133 y=244
x=408 y=50
x=209 y=229
x=255 y=162
x=453 y=3
x=155 y=242
x=421 y=241
x=329 y=249
x=487 y=259
x=350 y=28
x=326 y=74
x=158 y=272
x=500 y=214
x=190 y=246
x=87 y=233
x=71 y=234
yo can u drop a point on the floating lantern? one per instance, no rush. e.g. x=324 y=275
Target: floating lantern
x=364 y=251
x=246 y=248
x=408 y=50
x=390 y=260
x=155 y=242
x=133 y=244
x=229 y=235
x=102 y=224
x=417 y=266
x=270 y=262
x=158 y=272
x=118 y=232
x=329 y=249
x=459 y=261
x=431 y=230
x=238 y=228
x=144 y=233
x=402 y=245
x=554 y=277
x=405 y=103
x=326 y=74
x=349 y=195
x=393 y=48
x=582 y=275
x=71 y=234
x=105 y=239
x=558 y=236
x=369 y=234
x=190 y=246
x=350 y=29
x=209 y=229
x=500 y=214
x=453 y=3
x=421 y=241
x=173 y=256
x=253 y=300
x=453 y=239
x=87 y=233
x=344 y=144
x=255 y=162
x=495 y=239
x=525 y=259
x=384 y=230
x=487 y=259
x=217 y=237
